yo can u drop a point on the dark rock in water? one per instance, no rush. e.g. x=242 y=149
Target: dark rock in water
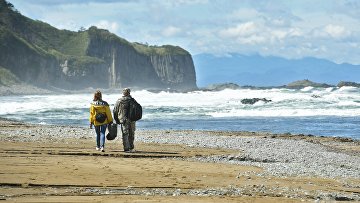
x=254 y=100
x=352 y=84
x=315 y=96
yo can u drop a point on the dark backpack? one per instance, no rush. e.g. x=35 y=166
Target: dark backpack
x=135 y=110
x=100 y=117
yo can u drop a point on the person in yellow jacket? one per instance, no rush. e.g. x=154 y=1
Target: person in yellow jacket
x=100 y=117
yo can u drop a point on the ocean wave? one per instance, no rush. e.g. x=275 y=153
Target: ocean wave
x=226 y=103
x=349 y=89
x=283 y=113
x=208 y=110
x=307 y=89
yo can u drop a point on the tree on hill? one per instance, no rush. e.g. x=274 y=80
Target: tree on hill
x=8 y=5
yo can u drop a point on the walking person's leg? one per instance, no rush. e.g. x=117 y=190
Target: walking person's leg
x=102 y=137
x=97 y=131
x=125 y=136
x=132 y=135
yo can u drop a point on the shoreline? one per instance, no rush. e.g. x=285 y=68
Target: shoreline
x=265 y=134
x=46 y=162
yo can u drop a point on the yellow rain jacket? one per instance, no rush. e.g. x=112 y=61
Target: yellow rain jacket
x=100 y=107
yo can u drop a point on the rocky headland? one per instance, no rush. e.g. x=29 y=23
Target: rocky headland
x=37 y=54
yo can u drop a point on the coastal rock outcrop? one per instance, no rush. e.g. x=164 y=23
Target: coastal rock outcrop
x=222 y=86
x=344 y=83
x=42 y=55
x=306 y=83
x=254 y=100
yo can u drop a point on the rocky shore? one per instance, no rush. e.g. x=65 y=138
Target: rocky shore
x=175 y=166
x=22 y=89
x=25 y=89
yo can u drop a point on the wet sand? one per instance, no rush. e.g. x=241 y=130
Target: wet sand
x=69 y=169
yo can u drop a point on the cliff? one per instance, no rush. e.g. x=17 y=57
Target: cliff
x=44 y=56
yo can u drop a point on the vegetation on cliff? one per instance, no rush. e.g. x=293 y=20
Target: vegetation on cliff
x=159 y=50
x=7 y=78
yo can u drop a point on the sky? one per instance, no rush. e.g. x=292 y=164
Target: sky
x=293 y=29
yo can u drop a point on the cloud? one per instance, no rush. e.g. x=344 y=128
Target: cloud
x=336 y=31
x=253 y=39
x=171 y=31
x=66 y=2
x=348 y=7
x=243 y=14
x=331 y=31
x=240 y=30
x=260 y=33
x=111 y=26
x=177 y=3
x=295 y=32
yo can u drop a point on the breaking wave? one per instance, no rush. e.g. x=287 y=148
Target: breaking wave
x=225 y=105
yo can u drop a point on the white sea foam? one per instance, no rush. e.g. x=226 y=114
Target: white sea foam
x=307 y=89
x=283 y=113
x=348 y=88
x=227 y=103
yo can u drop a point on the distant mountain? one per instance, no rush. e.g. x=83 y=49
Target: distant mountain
x=256 y=70
x=34 y=52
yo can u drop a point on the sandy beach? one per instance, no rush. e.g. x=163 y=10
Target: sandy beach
x=60 y=164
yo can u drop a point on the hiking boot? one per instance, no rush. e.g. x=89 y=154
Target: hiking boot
x=132 y=150
x=102 y=149
x=97 y=148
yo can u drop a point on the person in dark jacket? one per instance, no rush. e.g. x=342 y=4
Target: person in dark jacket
x=100 y=117
x=120 y=114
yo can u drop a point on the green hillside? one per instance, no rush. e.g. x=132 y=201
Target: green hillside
x=42 y=37
x=7 y=78
x=63 y=43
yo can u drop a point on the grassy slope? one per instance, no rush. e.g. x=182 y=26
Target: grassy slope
x=159 y=50
x=44 y=39
x=7 y=78
x=76 y=44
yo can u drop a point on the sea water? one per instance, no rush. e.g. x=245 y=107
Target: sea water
x=318 y=111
